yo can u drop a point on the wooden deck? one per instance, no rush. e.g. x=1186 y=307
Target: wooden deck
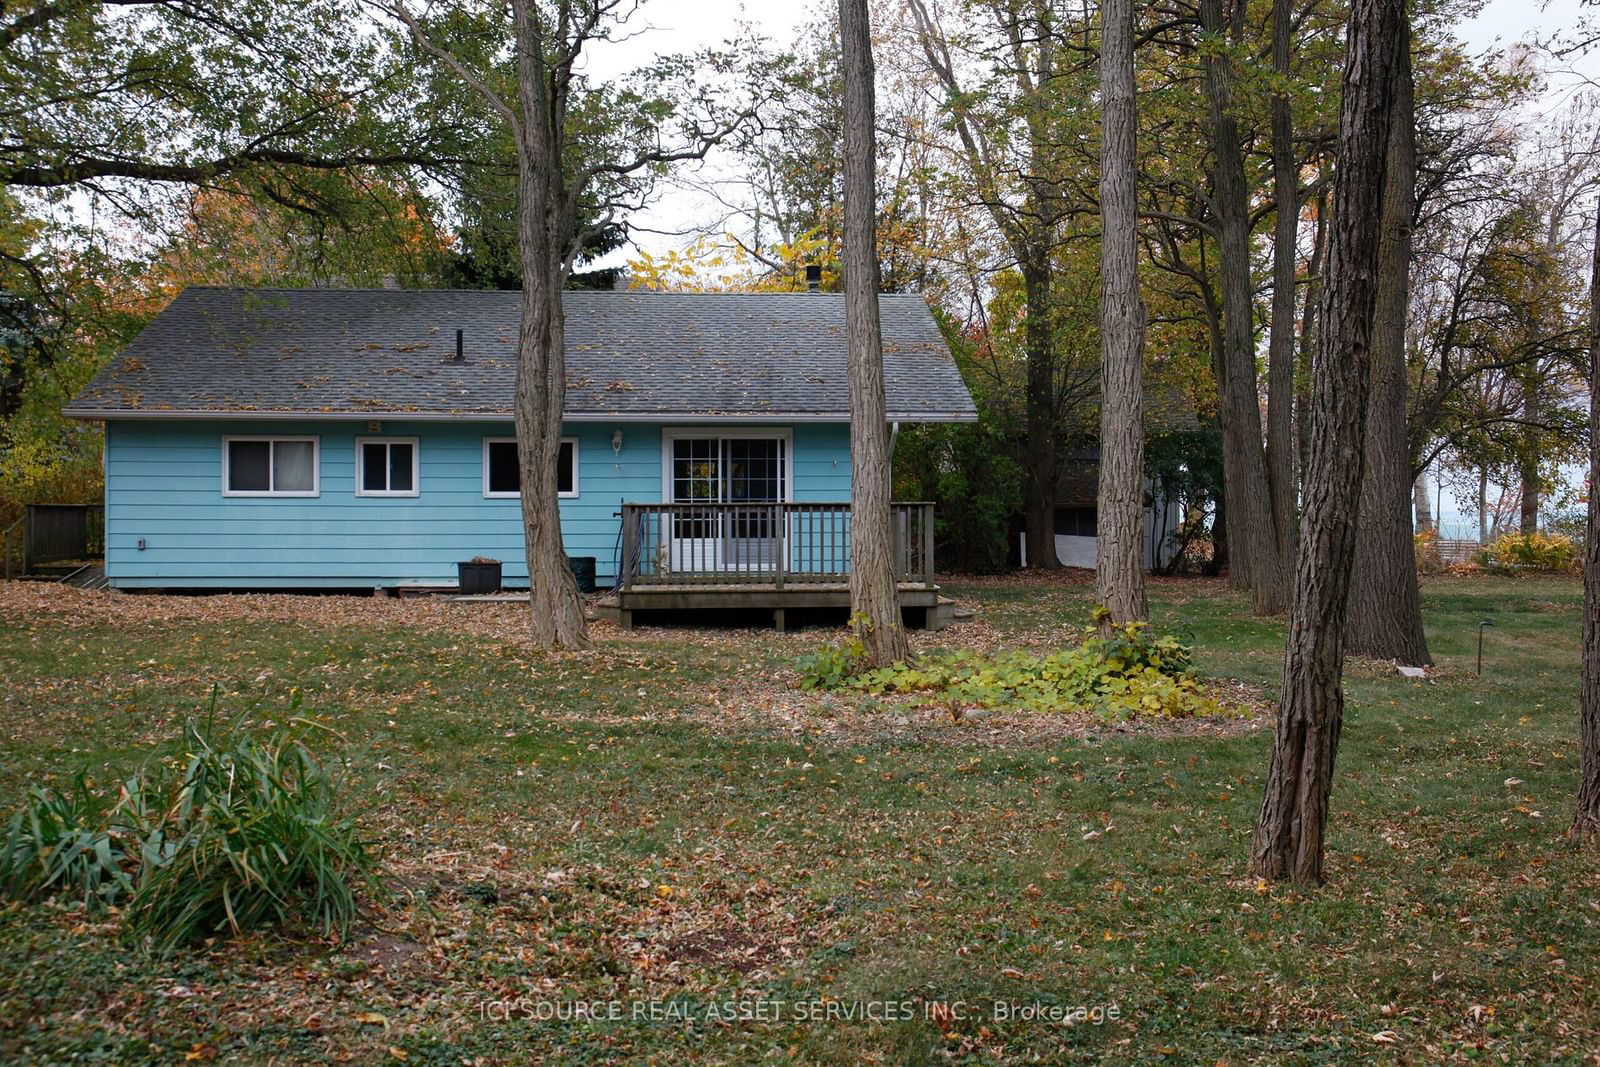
x=762 y=556
x=921 y=606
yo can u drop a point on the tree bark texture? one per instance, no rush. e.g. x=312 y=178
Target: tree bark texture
x=1586 y=821
x=1256 y=562
x=1289 y=834
x=1119 y=527
x=1285 y=253
x=1385 y=619
x=556 y=610
x=874 y=593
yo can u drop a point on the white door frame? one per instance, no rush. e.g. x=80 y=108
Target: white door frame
x=706 y=553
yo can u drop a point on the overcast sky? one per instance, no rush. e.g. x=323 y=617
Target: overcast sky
x=676 y=26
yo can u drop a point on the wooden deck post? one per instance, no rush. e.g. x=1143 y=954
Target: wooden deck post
x=630 y=547
x=927 y=544
x=782 y=562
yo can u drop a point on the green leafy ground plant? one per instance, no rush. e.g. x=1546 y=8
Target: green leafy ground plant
x=1127 y=673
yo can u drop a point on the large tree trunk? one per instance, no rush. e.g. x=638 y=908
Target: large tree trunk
x=874 y=594
x=1385 y=604
x=1485 y=531
x=555 y=609
x=1285 y=253
x=1257 y=564
x=1289 y=834
x=1528 y=467
x=1119 y=525
x=1043 y=462
x=1586 y=822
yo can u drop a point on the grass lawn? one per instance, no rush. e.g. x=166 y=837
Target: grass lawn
x=663 y=822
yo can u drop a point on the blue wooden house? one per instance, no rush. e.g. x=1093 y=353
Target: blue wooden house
x=330 y=438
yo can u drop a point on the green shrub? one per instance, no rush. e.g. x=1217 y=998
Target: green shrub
x=1530 y=552
x=248 y=834
x=832 y=665
x=68 y=843
x=234 y=834
x=1126 y=674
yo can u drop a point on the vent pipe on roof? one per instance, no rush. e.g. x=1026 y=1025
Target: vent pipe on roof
x=814 y=277
x=460 y=355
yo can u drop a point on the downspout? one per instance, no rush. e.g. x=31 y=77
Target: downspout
x=894 y=437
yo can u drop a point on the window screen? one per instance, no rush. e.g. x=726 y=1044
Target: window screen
x=505 y=477
x=287 y=466
x=566 y=470
x=249 y=466
x=388 y=467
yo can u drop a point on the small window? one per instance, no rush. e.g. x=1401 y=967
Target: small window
x=503 y=477
x=269 y=466
x=386 y=466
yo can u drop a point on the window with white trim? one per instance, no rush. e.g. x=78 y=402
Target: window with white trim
x=386 y=466
x=269 y=466
x=502 y=476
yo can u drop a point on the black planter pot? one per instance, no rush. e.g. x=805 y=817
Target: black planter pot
x=479 y=578
x=583 y=570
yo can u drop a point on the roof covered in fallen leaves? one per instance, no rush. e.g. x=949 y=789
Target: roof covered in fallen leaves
x=630 y=355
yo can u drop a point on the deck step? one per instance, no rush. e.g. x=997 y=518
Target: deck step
x=89 y=576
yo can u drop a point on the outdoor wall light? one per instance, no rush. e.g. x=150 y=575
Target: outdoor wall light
x=616 y=442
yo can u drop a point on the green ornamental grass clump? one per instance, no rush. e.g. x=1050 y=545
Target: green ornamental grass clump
x=1128 y=673
x=233 y=834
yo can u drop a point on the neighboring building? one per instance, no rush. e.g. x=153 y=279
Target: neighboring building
x=1077 y=513
x=305 y=438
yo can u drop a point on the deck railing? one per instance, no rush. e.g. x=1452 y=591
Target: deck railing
x=53 y=533
x=757 y=544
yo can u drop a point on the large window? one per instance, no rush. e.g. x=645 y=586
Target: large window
x=710 y=468
x=386 y=466
x=269 y=466
x=502 y=477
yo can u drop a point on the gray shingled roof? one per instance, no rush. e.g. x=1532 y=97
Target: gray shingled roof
x=358 y=352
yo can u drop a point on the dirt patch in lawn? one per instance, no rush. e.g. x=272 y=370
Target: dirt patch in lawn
x=47 y=603
x=852 y=718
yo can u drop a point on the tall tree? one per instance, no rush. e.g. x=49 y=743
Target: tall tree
x=1119 y=528
x=1285 y=257
x=1256 y=562
x=1289 y=833
x=578 y=157
x=1385 y=604
x=1018 y=158
x=272 y=93
x=874 y=594
x=1586 y=822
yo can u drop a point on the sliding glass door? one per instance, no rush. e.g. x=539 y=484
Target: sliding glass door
x=709 y=473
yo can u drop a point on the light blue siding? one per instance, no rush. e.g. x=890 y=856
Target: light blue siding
x=164 y=485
